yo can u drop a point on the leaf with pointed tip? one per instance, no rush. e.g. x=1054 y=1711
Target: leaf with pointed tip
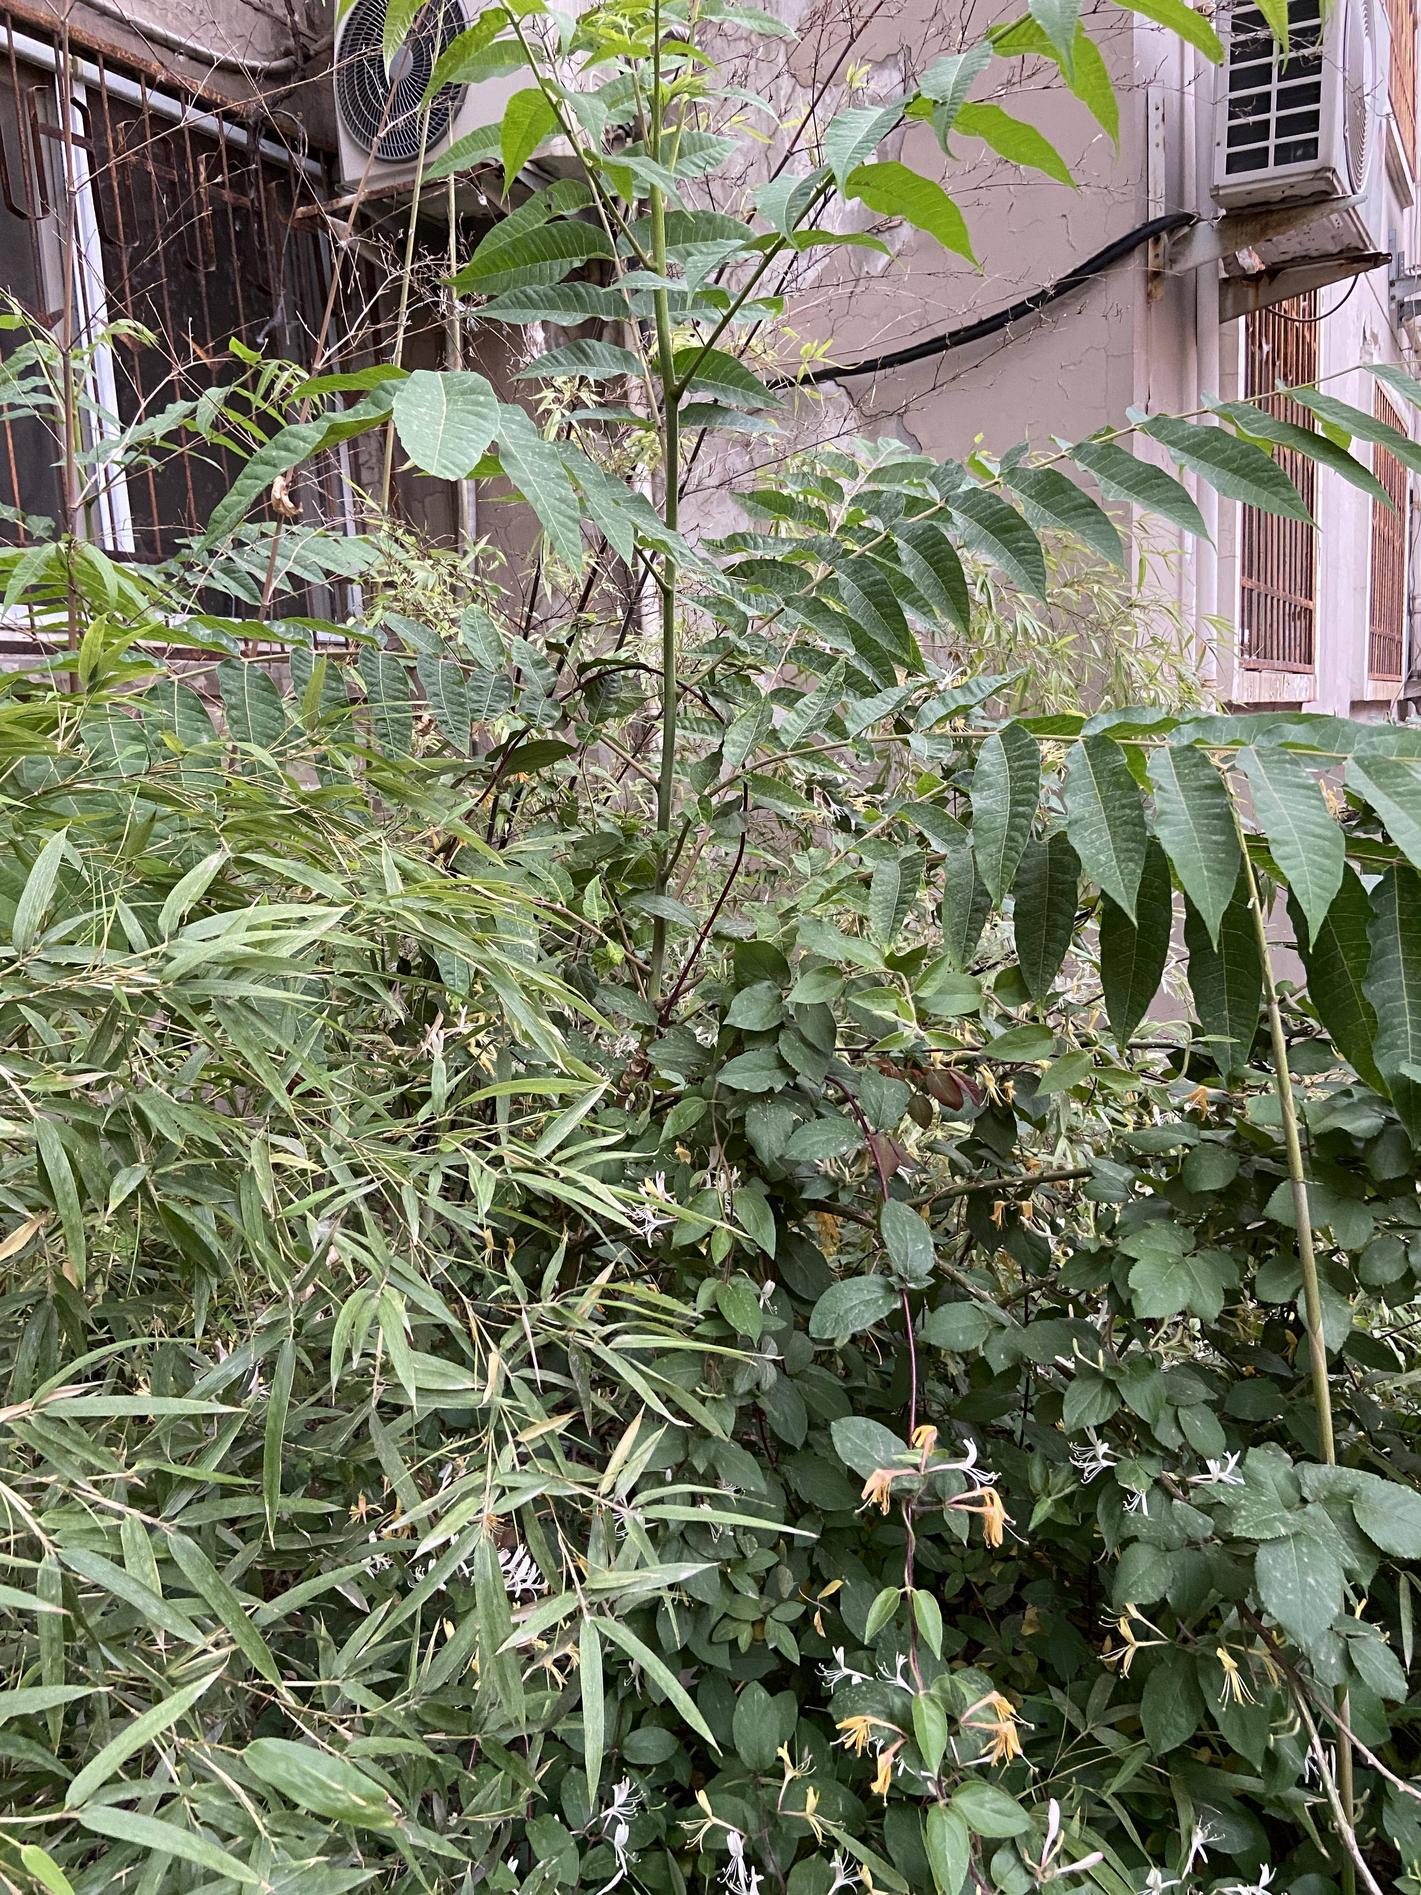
x=1044 y=911
x=1393 y=986
x=536 y=469
x=998 y=532
x=1392 y=785
x=1300 y=1583
x=891 y=894
x=1133 y=953
x=286 y=449
x=1226 y=980
x=442 y=681
x=1194 y=819
x=1057 y=20
x=1236 y=468
x=1185 y=21
x=445 y=420
x=930 y=561
x=1006 y=788
x=1048 y=499
x=1303 y=835
x=894 y=190
x=1012 y=139
x=854 y=134
x=592 y=360
x=965 y=905
x=387 y=700
x=1104 y=818
x=720 y=377
x=949 y=79
x=1121 y=476
x=1337 y=963
x=528 y=118
x=1258 y=422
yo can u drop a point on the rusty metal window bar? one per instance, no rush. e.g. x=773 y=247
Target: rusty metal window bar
x=1277 y=557
x=1386 y=613
x=1402 y=83
x=163 y=212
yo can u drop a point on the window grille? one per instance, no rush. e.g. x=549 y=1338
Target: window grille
x=1278 y=557
x=1386 y=617
x=1402 y=86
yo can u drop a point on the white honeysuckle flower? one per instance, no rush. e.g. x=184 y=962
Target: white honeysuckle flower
x=1049 y=1869
x=898 y=1673
x=739 y=1876
x=840 y=1672
x=845 y=1876
x=1219 y=1473
x=1137 y=1503
x=1156 y=1882
x=1093 y=1460
x=615 y=1823
x=521 y=1577
x=1200 y=1843
x=1263 y=1886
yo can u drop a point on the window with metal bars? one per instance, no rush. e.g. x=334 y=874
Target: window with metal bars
x=152 y=210
x=1386 y=614
x=1402 y=85
x=1278 y=557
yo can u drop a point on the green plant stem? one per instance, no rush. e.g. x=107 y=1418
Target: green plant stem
x=403 y=311
x=1312 y=1300
x=670 y=507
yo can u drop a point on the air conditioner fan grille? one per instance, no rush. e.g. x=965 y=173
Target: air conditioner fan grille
x=383 y=111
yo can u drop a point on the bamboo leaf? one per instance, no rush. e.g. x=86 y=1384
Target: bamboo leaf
x=136 y=1736
x=32 y=909
x=660 y=1674
x=157 y=1838
x=594 y=1706
x=274 y=1433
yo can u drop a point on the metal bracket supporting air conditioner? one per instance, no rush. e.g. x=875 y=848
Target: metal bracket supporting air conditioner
x=1242 y=295
x=1233 y=231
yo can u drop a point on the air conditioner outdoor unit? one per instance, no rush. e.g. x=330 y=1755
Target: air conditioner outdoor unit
x=380 y=114
x=1306 y=125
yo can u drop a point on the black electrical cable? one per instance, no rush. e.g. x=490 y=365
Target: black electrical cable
x=1074 y=278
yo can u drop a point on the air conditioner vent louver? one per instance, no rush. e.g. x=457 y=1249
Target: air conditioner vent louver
x=1274 y=114
x=1357 y=114
x=382 y=112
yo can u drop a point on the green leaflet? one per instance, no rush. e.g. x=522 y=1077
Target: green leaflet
x=966 y=904
x=445 y=420
x=1049 y=499
x=255 y=712
x=1120 y=476
x=852 y=135
x=1194 y=819
x=1133 y=953
x=893 y=190
x=986 y=523
x=1238 y=469
x=1226 y=980
x=1006 y=787
x=1013 y=139
x=1044 y=910
x=1104 y=819
x=1303 y=835
x=1392 y=785
x=1337 y=964
x=1393 y=986
x=536 y=469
